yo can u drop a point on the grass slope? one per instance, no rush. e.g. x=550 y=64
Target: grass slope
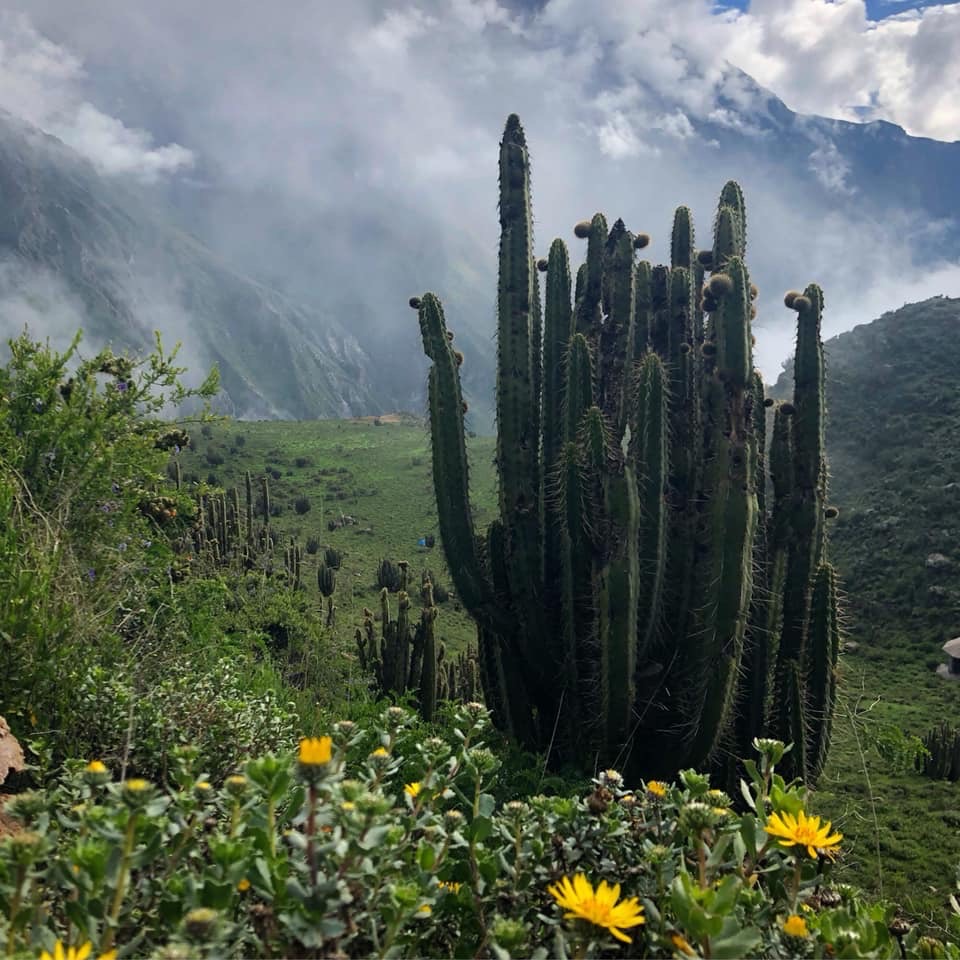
x=378 y=474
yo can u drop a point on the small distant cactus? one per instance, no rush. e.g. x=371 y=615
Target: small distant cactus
x=942 y=761
x=388 y=575
x=332 y=557
x=405 y=656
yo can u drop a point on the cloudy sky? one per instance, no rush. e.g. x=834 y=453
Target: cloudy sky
x=388 y=108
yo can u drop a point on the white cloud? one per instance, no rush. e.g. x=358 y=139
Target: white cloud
x=40 y=82
x=831 y=168
x=388 y=114
x=826 y=57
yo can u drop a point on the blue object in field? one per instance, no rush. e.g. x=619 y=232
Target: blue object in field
x=422 y=542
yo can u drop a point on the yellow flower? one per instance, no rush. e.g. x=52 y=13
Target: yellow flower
x=795 y=926
x=348 y=805
x=803 y=831
x=450 y=885
x=657 y=788
x=244 y=885
x=424 y=910
x=315 y=751
x=682 y=945
x=137 y=785
x=412 y=790
x=75 y=953
x=380 y=752
x=96 y=766
x=599 y=907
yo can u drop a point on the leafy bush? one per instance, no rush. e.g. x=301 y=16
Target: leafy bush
x=376 y=841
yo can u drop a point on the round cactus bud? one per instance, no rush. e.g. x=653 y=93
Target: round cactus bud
x=768 y=401
x=465 y=406
x=542 y=264
x=684 y=348
x=788 y=409
x=705 y=258
x=415 y=303
x=708 y=305
x=459 y=357
x=754 y=292
x=802 y=303
x=831 y=513
x=753 y=312
x=789 y=297
x=709 y=349
x=753 y=339
x=582 y=229
x=641 y=240
x=720 y=284
x=450 y=335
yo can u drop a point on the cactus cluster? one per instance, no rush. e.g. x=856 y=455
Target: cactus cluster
x=405 y=655
x=638 y=601
x=229 y=536
x=391 y=575
x=942 y=760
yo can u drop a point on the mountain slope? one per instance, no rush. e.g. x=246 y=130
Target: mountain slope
x=129 y=272
x=893 y=400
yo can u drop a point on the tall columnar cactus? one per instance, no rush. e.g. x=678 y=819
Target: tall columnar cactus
x=637 y=603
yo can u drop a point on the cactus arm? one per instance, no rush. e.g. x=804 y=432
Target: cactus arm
x=617 y=604
x=590 y=289
x=428 y=674
x=616 y=339
x=821 y=673
x=517 y=445
x=450 y=471
x=558 y=319
x=643 y=303
x=649 y=456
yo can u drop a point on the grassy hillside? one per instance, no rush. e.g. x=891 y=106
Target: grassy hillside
x=377 y=471
x=893 y=409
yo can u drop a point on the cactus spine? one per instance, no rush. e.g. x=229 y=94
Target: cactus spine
x=630 y=456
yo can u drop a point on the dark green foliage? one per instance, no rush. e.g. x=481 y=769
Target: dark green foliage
x=301 y=505
x=647 y=555
x=313 y=545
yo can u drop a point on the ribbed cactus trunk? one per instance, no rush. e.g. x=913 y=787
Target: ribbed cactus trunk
x=636 y=601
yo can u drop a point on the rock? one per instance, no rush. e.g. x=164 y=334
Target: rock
x=851 y=646
x=11 y=754
x=937 y=561
x=937 y=596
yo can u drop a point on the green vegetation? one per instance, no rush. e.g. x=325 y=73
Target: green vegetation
x=376 y=841
x=633 y=607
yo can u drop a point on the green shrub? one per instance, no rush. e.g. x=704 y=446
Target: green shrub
x=376 y=841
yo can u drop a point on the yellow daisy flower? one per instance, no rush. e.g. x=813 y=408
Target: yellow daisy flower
x=412 y=790
x=315 y=751
x=795 y=926
x=657 y=788
x=96 y=766
x=60 y=952
x=803 y=831
x=599 y=906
